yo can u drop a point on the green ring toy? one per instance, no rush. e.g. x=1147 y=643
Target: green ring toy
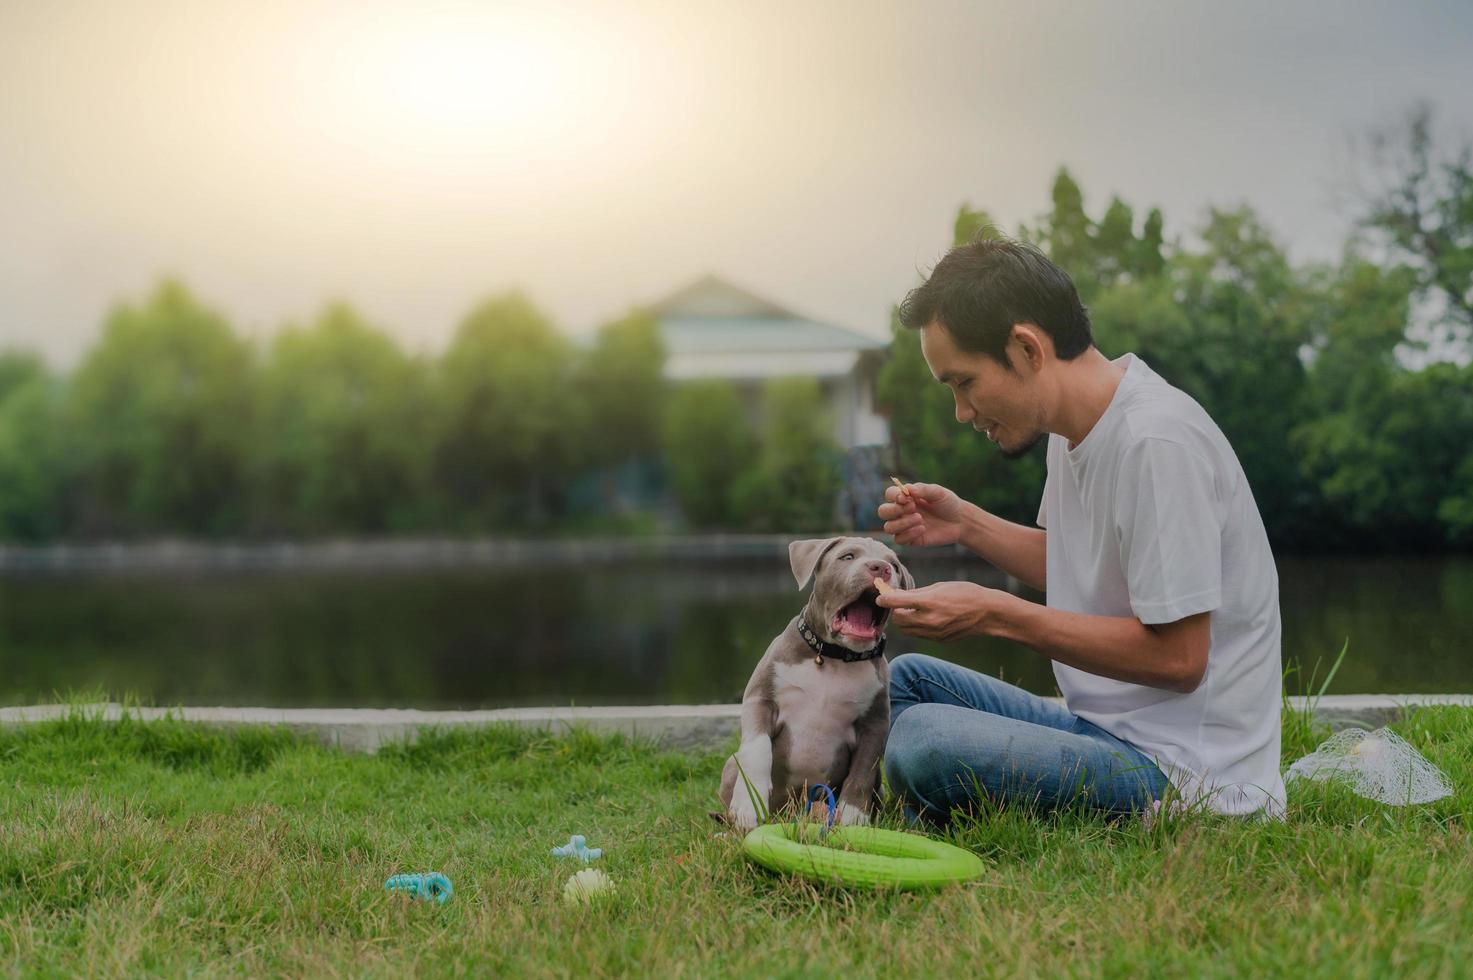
x=878 y=859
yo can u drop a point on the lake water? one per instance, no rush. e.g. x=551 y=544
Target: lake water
x=633 y=632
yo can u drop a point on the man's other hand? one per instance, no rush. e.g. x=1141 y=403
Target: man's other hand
x=922 y=514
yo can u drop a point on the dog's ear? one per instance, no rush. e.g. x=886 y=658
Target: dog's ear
x=804 y=556
x=907 y=581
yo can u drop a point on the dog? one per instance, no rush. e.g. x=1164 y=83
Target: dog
x=817 y=709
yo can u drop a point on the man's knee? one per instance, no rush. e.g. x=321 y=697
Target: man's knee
x=902 y=667
x=905 y=669
x=911 y=750
x=908 y=664
x=902 y=696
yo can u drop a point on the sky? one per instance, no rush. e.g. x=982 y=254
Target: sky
x=414 y=158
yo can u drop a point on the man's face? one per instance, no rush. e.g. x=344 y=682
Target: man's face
x=1002 y=404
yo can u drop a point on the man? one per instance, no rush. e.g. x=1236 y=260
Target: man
x=1162 y=611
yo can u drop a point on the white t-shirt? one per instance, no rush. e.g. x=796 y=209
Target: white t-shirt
x=1151 y=516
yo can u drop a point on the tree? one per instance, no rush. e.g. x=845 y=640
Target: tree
x=1455 y=510
x=1149 y=259
x=1382 y=444
x=795 y=485
x=32 y=451
x=1423 y=213
x=343 y=439
x=973 y=225
x=620 y=389
x=17 y=369
x=1103 y=254
x=1068 y=234
x=162 y=410
x=505 y=417
x=709 y=444
x=1116 y=248
x=1432 y=424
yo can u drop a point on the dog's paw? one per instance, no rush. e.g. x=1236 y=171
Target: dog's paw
x=742 y=821
x=741 y=815
x=851 y=816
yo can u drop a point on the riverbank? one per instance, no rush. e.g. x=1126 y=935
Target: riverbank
x=187 y=555
x=164 y=847
x=509 y=625
x=700 y=727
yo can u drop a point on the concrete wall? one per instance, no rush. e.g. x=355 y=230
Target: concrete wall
x=707 y=727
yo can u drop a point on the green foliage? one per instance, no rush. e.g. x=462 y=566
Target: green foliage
x=161 y=409
x=1455 y=509
x=1423 y=214
x=1099 y=254
x=1068 y=234
x=797 y=478
x=506 y=421
x=1384 y=445
x=18 y=369
x=620 y=385
x=1149 y=258
x=33 y=457
x=1344 y=388
x=973 y=225
x=343 y=435
x=1116 y=243
x=709 y=445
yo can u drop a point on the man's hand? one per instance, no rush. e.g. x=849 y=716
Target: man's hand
x=945 y=610
x=922 y=514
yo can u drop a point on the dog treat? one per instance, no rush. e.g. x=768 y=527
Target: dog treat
x=883 y=586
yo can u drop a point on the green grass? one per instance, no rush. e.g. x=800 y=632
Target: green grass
x=170 y=849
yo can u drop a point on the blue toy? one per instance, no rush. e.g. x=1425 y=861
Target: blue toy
x=578 y=847
x=430 y=886
x=833 y=806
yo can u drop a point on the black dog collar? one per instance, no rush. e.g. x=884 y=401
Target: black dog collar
x=823 y=649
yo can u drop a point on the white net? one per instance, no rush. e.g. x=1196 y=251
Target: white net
x=1378 y=765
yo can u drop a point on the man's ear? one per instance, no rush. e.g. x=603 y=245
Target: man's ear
x=804 y=554
x=1033 y=346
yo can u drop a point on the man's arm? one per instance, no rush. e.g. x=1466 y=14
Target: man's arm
x=1020 y=551
x=1170 y=656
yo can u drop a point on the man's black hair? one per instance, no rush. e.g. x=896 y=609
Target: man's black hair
x=979 y=290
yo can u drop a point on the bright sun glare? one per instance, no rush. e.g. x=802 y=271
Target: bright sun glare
x=487 y=85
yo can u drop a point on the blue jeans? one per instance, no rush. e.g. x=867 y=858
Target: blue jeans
x=956 y=735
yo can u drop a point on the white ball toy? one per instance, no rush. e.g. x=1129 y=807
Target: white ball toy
x=586 y=885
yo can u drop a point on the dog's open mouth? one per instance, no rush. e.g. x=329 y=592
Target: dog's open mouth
x=862 y=619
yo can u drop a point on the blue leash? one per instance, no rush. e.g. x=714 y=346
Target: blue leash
x=833 y=806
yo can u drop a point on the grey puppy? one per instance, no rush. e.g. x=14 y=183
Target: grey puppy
x=817 y=709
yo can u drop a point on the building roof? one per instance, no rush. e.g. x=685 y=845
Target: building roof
x=713 y=329
x=713 y=296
